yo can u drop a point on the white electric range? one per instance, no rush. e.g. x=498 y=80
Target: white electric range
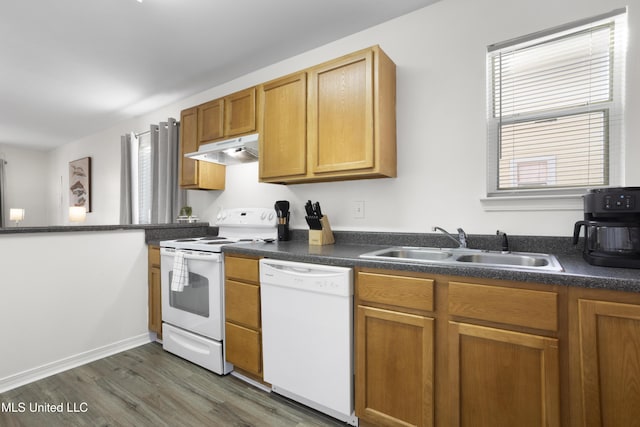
x=193 y=307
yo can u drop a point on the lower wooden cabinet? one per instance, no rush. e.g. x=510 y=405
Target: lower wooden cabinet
x=395 y=368
x=155 y=302
x=244 y=348
x=456 y=351
x=605 y=360
x=452 y=351
x=394 y=350
x=243 y=328
x=502 y=378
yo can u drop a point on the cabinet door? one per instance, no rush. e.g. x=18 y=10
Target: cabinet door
x=188 y=144
x=240 y=112
x=283 y=127
x=211 y=121
x=502 y=378
x=610 y=363
x=155 y=303
x=195 y=174
x=341 y=121
x=394 y=368
x=244 y=348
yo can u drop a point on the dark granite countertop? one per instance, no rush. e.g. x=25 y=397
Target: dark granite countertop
x=153 y=232
x=577 y=272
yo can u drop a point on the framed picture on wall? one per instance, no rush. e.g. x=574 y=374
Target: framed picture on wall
x=80 y=183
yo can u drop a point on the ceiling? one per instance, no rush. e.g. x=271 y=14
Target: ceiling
x=71 y=68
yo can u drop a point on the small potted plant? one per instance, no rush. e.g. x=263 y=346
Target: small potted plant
x=185 y=214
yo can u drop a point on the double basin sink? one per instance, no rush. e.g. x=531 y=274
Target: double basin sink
x=465 y=256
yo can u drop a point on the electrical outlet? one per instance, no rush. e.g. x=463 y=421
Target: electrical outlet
x=357 y=209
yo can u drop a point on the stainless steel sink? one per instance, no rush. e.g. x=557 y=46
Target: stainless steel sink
x=475 y=257
x=415 y=254
x=512 y=259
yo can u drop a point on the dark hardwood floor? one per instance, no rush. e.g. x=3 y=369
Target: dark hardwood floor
x=147 y=386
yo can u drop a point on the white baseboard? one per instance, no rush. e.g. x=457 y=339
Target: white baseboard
x=43 y=371
x=250 y=381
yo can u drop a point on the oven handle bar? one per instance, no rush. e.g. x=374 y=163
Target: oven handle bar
x=196 y=255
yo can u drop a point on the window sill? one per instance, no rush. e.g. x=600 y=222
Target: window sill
x=533 y=203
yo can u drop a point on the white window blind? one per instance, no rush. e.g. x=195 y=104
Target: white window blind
x=555 y=108
x=141 y=173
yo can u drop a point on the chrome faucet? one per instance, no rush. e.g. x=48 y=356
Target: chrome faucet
x=462 y=236
x=505 y=240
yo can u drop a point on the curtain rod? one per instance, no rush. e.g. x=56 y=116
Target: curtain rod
x=149 y=131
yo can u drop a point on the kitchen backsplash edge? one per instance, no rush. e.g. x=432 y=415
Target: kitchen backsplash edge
x=541 y=244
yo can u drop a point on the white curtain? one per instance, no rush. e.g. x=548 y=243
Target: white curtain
x=126 y=206
x=160 y=181
x=166 y=196
x=3 y=180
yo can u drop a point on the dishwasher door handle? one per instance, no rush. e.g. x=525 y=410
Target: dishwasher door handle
x=283 y=268
x=329 y=280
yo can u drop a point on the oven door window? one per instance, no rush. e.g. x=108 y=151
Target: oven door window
x=194 y=298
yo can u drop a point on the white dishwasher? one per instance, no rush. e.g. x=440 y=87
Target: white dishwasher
x=307 y=334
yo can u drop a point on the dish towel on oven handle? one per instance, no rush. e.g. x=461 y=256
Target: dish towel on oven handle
x=180 y=277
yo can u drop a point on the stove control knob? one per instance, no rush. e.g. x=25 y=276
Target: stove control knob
x=263 y=215
x=271 y=215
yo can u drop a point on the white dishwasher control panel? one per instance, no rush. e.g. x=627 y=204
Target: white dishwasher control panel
x=323 y=279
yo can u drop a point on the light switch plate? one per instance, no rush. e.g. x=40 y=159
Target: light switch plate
x=357 y=209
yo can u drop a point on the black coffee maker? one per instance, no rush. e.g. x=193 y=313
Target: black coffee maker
x=612 y=227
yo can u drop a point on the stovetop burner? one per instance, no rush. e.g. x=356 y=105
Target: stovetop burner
x=234 y=226
x=217 y=242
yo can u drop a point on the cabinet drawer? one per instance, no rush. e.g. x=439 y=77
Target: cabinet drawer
x=244 y=348
x=400 y=291
x=245 y=269
x=521 y=307
x=242 y=303
x=154 y=256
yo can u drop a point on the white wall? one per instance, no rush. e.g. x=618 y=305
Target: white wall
x=68 y=298
x=26 y=186
x=440 y=56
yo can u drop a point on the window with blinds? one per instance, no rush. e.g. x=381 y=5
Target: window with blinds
x=141 y=176
x=555 y=108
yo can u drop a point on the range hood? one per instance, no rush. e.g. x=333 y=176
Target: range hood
x=243 y=149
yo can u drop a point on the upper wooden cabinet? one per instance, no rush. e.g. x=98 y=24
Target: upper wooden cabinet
x=283 y=128
x=227 y=117
x=211 y=120
x=195 y=174
x=240 y=113
x=350 y=130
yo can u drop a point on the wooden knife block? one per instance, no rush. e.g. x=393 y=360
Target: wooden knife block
x=324 y=236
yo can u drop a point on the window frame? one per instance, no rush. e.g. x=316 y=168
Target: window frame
x=614 y=109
